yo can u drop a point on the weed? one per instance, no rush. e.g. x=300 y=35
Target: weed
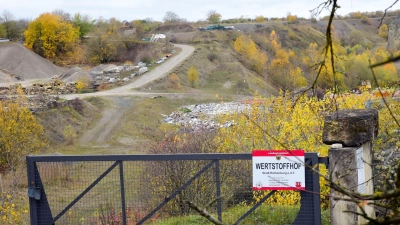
x=185 y=110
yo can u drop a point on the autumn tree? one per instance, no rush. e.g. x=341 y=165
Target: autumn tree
x=292 y=19
x=213 y=16
x=174 y=82
x=49 y=36
x=193 y=76
x=383 y=31
x=248 y=49
x=21 y=134
x=260 y=19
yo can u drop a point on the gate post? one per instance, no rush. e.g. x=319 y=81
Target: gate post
x=350 y=132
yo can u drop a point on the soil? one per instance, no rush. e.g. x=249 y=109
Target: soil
x=109 y=121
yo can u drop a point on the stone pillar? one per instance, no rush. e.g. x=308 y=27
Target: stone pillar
x=350 y=132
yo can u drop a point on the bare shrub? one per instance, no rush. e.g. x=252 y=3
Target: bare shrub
x=173 y=174
x=103 y=87
x=77 y=105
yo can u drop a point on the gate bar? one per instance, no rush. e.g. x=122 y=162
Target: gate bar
x=218 y=183
x=122 y=186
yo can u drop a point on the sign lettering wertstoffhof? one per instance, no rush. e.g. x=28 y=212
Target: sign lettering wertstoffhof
x=278 y=170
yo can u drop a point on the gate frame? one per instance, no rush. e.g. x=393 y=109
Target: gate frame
x=39 y=208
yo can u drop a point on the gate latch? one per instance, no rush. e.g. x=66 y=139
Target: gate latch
x=34 y=192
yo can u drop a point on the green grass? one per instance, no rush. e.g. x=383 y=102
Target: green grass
x=141 y=123
x=264 y=215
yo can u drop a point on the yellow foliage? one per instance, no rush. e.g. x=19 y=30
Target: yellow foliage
x=383 y=31
x=278 y=123
x=174 y=81
x=20 y=134
x=259 y=19
x=291 y=18
x=193 y=75
x=357 y=15
x=274 y=38
x=10 y=213
x=247 y=48
x=82 y=83
x=49 y=36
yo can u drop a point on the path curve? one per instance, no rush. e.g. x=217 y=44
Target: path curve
x=158 y=72
x=111 y=116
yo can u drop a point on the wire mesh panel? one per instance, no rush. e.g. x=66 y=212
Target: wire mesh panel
x=157 y=189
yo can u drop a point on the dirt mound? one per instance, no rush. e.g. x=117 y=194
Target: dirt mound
x=74 y=74
x=23 y=64
x=172 y=28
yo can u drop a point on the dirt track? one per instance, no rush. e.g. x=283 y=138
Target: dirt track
x=103 y=130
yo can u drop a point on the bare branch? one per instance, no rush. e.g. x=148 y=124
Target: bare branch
x=384 y=14
x=204 y=213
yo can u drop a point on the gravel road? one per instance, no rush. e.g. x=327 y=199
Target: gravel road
x=110 y=118
x=159 y=71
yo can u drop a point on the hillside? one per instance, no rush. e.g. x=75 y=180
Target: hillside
x=221 y=70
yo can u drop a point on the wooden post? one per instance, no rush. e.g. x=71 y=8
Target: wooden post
x=350 y=132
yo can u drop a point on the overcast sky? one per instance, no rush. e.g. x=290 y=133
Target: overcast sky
x=189 y=9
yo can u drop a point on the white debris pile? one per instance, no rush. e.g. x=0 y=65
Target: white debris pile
x=204 y=115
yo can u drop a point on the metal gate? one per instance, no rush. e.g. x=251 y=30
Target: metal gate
x=70 y=189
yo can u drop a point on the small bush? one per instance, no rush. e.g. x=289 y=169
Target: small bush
x=366 y=20
x=185 y=110
x=69 y=134
x=212 y=56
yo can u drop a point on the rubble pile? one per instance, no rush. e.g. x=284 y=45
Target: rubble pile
x=54 y=87
x=205 y=115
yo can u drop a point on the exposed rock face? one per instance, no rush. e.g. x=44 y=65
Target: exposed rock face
x=351 y=128
x=394 y=35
